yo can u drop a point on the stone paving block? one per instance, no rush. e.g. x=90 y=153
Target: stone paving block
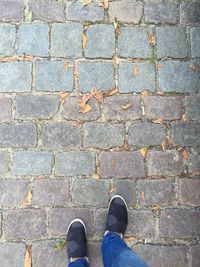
x=190 y=12
x=53 y=76
x=159 y=11
x=25 y=224
x=100 y=222
x=94 y=251
x=66 y=40
x=186 y=134
x=100 y=41
x=121 y=164
x=156 y=192
x=195 y=40
x=33 y=39
x=71 y=109
x=174 y=223
x=166 y=108
x=60 y=218
x=189 y=192
x=7 y=41
x=133 y=42
x=36 y=107
x=178 y=77
x=164 y=256
x=103 y=135
x=193 y=108
x=15 y=76
x=145 y=133
x=95 y=74
x=91 y=192
x=5 y=109
x=164 y=163
x=195 y=254
x=47 y=10
x=172 y=42
x=114 y=108
x=12 y=254
x=126 y=11
x=13 y=192
x=91 y=12
x=4 y=162
x=18 y=135
x=11 y=10
x=129 y=82
x=75 y=163
x=61 y=135
x=193 y=164
x=48 y=192
x=32 y=163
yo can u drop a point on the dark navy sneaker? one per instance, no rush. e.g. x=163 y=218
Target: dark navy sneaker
x=76 y=240
x=117 y=218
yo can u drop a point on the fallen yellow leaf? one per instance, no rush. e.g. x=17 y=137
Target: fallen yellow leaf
x=67 y=65
x=135 y=70
x=115 y=61
x=144 y=151
x=28 y=200
x=185 y=155
x=84 y=40
x=145 y=93
x=158 y=121
x=184 y=117
x=85 y=108
x=193 y=66
x=28 y=257
x=166 y=143
x=151 y=38
x=127 y=106
x=60 y=245
x=105 y=4
x=112 y=92
x=63 y=96
x=155 y=208
x=142 y=195
x=86 y=2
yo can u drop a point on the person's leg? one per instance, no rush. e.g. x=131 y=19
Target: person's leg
x=79 y=263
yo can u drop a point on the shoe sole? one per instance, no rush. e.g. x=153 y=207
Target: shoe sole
x=77 y=220
x=117 y=196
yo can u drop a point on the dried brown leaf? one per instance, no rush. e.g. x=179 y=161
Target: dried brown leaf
x=184 y=117
x=158 y=121
x=86 y=2
x=84 y=40
x=155 y=208
x=105 y=4
x=110 y=93
x=166 y=143
x=135 y=70
x=28 y=200
x=142 y=195
x=127 y=106
x=144 y=151
x=67 y=65
x=151 y=38
x=130 y=238
x=193 y=174
x=115 y=61
x=185 y=155
x=75 y=72
x=28 y=257
x=85 y=108
x=193 y=66
x=161 y=93
x=145 y=93
x=63 y=96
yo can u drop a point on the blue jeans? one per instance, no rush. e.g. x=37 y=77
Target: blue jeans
x=115 y=253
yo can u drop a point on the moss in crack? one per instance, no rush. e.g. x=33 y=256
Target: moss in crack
x=153 y=59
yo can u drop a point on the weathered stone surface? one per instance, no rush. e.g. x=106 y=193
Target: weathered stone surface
x=25 y=224
x=186 y=134
x=4 y=162
x=95 y=256
x=195 y=40
x=5 y=109
x=12 y=254
x=66 y=40
x=75 y=163
x=193 y=108
x=144 y=134
x=190 y=12
x=190 y=192
x=193 y=164
x=100 y=41
x=7 y=41
x=36 y=107
x=121 y=164
x=195 y=254
x=11 y=10
x=95 y=74
x=15 y=76
x=129 y=83
x=164 y=163
x=32 y=163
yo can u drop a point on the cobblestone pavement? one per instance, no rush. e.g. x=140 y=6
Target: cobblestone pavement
x=64 y=152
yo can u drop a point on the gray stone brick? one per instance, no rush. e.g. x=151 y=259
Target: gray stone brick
x=193 y=164
x=36 y=107
x=12 y=254
x=7 y=41
x=195 y=254
x=32 y=163
x=195 y=40
x=5 y=109
x=129 y=83
x=144 y=134
x=25 y=224
x=178 y=77
x=75 y=163
x=190 y=12
x=100 y=222
x=164 y=256
x=15 y=76
x=126 y=11
x=193 y=108
x=121 y=164
x=91 y=192
x=186 y=134
x=113 y=108
x=166 y=108
x=13 y=192
x=91 y=12
x=61 y=135
x=95 y=256
x=47 y=10
x=33 y=39
x=4 y=162
x=103 y=135
x=190 y=192
x=53 y=76
x=48 y=192
x=66 y=40
x=133 y=42
x=11 y=10
x=95 y=74
x=174 y=223
x=164 y=163
x=60 y=218
x=100 y=41
x=156 y=192
x=159 y=11
x=171 y=42
x=18 y=135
